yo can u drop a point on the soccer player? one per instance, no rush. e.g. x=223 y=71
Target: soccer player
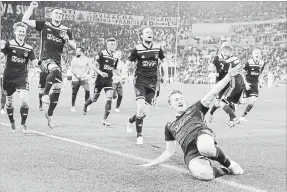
x=118 y=80
x=195 y=138
x=15 y=77
x=106 y=62
x=80 y=69
x=146 y=58
x=53 y=38
x=253 y=71
x=2 y=63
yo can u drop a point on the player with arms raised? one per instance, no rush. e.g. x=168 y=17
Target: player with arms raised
x=106 y=62
x=195 y=138
x=15 y=77
x=253 y=74
x=146 y=57
x=53 y=38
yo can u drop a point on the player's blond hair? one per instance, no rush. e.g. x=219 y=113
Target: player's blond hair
x=19 y=24
x=140 y=31
x=171 y=94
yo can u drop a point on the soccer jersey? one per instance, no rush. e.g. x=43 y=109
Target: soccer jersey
x=253 y=69
x=107 y=63
x=17 y=58
x=184 y=129
x=146 y=60
x=52 y=40
x=79 y=67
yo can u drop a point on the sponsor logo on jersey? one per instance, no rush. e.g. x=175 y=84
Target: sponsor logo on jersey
x=107 y=67
x=177 y=128
x=18 y=60
x=53 y=38
x=62 y=34
x=149 y=63
x=254 y=73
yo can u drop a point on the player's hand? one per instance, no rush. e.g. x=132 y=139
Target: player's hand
x=66 y=37
x=247 y=86
x=104 y=75
x=235 y=70
x=34 y=4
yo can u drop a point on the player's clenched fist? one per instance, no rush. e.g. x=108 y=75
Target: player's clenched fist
x=34 y=4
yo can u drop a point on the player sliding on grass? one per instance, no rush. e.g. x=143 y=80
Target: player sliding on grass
x=15 y=77
x=53 y=38
x=195 y=138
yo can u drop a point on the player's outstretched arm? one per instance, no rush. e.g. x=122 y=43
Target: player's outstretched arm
x=209 y=97
x=168 y=153
x=28 y=14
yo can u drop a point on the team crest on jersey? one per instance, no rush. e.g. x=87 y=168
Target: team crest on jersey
x=156 y=55
x=26 y=54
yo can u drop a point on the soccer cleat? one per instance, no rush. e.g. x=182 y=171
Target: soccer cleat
x=105 y=122
x=117 y=110
x=73 y=109
x=85 y=110
x=13 y=126
x=40 y=108
x=24 y=128
x=88 y=108
x=233 y=123
x=235 y=168
x=3 y=112
x=210 y=118
x=242 y=119
x=129 y=128
x=46 y=99
x=50 y=122
x=140 y=140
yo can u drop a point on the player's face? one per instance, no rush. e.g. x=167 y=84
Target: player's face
x=20 y=33
x=112 y=46
x=147 y=35
x=256 y=54
x=57 y=15
x=227 y=52
x=177 y=103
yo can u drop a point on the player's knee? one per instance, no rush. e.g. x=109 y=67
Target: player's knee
x=9 y=101
x=95 y=97
x=201 y=170
x=206 y=146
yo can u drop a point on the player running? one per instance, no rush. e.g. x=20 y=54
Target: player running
x=15 y=77
x=195 y=138
x=80 y=69
x=118 y=80
x=253 y=74
x=53 y=38
x=146 y=58
x=106 y=62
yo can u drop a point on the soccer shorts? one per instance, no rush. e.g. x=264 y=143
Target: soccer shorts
x=145 y=88
x=103 y=83
x=9 y=88
x=42 y=80
x=253 y=91
x=233 y=93
x=77 y=84
x=192 y=151
x=118 y=89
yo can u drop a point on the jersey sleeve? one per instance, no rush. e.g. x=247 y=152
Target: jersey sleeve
x=70 y=34
x=40 y=25
x=167 y=134
x=202 y=108
x=133 y=55
x=32 y=55
x=5 y=49
x=161 y=54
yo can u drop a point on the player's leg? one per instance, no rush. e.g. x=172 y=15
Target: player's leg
x=9 y=89
x=120 y=94
x=108 y=106
x=252 y=94
x=54 y=76
x=3 y=97
x=75 y=89
x=54 y=98
x=24 y=109
x=85 y=84
x=97 y=90
x=42 y=83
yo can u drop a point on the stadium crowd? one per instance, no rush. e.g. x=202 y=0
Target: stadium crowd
x=193 y=60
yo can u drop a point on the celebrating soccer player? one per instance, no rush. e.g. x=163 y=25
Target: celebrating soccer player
x=253 y=70
x=15 y=77
x=80 y=69
x=195 y=138
x=106 y=62
x=118 y=79
x=53 y=38
x=146 y=57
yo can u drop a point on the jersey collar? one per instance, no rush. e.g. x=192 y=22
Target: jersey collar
x=147 y=47
x=19 y=43
x=109 y=53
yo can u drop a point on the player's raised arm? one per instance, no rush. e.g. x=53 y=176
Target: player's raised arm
x=28 y=14
x=208 y=98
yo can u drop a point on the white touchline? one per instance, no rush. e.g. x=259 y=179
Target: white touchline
x=223 y=181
